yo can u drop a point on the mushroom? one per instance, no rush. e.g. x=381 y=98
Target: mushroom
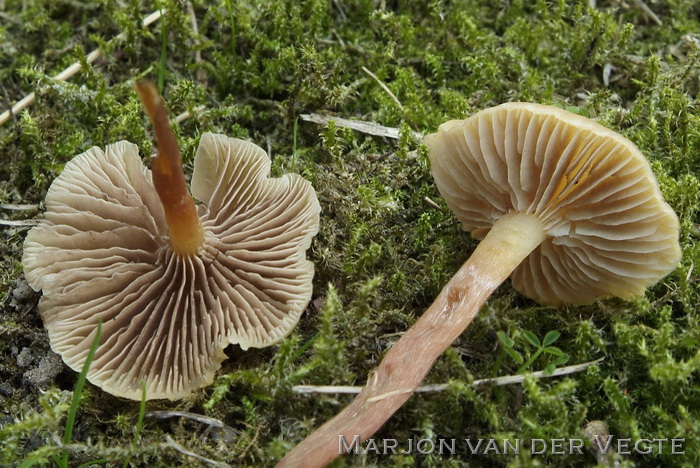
x=567 y=208
x=173 y=282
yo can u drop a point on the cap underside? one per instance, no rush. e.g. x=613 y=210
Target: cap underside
x=610 y=231
x=103 y=253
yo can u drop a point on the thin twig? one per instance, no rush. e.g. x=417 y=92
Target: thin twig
x=341 y=10
x=172 y=444
x=230 y=433
x=28 y=100
x=362 y=126
x=384 y=86
x=252 y=442
x=432 y=203
x=19 y=223
x=7 y=17
x=21 y=207
x=495 y=381
x=607 y=70
x=186 y=115
x=648 y=11
x=338 y=38
x=201 y=72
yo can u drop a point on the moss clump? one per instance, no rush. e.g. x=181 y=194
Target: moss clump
x=383 y=251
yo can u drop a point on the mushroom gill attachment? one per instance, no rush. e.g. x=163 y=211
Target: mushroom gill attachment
x=103 y=251
x=609 y=231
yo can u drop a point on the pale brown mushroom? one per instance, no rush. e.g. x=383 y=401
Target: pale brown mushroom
x=174 y=283
x=567 y=207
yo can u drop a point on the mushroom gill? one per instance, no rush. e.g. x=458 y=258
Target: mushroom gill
x=609 y=232
x=567 y=207
x=104 y=251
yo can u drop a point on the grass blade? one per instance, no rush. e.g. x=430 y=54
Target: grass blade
x=78 y=391
x=139 y=421
x=163 y=55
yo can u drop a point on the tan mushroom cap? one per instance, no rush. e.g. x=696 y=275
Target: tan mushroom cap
x=610 y=233
x=103 y=252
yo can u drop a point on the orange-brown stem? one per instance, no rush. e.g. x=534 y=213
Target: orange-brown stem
x=510 y=240
x=184 y=227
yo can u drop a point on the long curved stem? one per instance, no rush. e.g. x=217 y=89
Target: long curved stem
x=510 y=240
x=184 y=227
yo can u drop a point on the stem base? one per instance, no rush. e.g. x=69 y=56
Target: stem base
x=512 y=238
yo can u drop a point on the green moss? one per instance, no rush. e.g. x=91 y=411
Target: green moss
x=383 y=252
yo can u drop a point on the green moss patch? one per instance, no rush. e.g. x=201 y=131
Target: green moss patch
x=387 y=242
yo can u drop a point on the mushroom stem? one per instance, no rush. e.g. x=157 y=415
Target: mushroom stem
x=511 y=239
x=184 y=227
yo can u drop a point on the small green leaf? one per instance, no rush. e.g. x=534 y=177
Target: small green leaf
x=94 y=462
x=549 y=370
x=29 y=462
x=515 y=355
x=561 y=360
x=550 y=337
x=532 y=338
x=553 y=350
x=505 y=339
